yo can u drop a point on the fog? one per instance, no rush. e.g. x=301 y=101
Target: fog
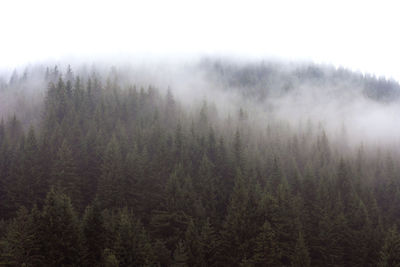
x=199 y=133
x=302 y=97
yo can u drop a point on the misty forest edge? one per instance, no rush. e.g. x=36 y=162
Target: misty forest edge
x=95 y=171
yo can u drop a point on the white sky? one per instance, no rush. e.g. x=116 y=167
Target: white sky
x=361 y=35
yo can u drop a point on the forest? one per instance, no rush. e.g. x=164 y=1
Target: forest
x=116 y=166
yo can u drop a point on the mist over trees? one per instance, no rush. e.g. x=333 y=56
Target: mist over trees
x=219 y=163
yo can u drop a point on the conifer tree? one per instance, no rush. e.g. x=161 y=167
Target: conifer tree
x=94 y=235
x=133 y=247
x=300 y=257
x=235 y=232
x=390 y=253
x=111 y=182
x=23 y=240
x=65 y=174
x=180 y=255
x=210 y=244
x=193 y=245
x=266 y=250
x=60 y=231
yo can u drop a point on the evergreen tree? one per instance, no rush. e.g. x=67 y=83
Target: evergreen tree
x=210 y=244
x=266 y=250
x=195 y=189
x=110 y=260
x=276 y=176
x=301 y=256
x=180 y=255
x=193 y=246
x=23 y=240
x=60 y=234
x=390 y=253
x=235 y=238
x=94 y=235
x=133 y=247
x=111 y=182
x=162 y=253
x=65 y=174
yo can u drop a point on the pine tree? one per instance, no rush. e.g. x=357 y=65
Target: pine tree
x=238 y=152
x=162 y=254
x=94 y=235
x=111 y=182
x=170 y=221
x=17 y=187
x=266 y=250
x=110 y=260
x=133 y=247
x=32 y=173
x=390 y=253
x=210 y=244
x=193 y=245
x=60 y=231
x=338 y=245
x=179 y=192
x=284 y=220
x=14 y=130
x=343 y=183
x=301 y=257
x=5 y=161
x=180 y=255
x=235 y=239
x=311 y=213
x=65 y=174
x=276 y=176
x=207 y=184
x=23 y=240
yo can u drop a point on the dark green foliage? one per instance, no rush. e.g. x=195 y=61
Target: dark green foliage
x=209 y=244
x=60 y=232
x=65 y=174
x=23 y=241
x=300 y=257
x=193 y=246
x=162 y=254
x=110 y=260
x=236 y=235
x=135 y=178
x=266 y=251
x=94 y=236
x=390 y=253
x=132 y=246
x=111 y=183
x=180 y=255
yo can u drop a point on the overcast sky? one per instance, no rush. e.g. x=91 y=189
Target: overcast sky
x=361 y=35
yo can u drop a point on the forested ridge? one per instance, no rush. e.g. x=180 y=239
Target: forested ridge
x=102 y=172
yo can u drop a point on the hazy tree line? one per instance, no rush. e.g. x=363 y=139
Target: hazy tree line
x=118 y=175
x=268 y=79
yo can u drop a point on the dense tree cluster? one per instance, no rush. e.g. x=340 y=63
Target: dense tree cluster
x=268 y=79
x=115 y=175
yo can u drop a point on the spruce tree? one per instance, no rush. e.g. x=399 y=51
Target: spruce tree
x=390 y=253
x=180 y=257
x=23 y=240
x=111 y=182
x=60 y=231
x=235 y=239
x=133 y=247
x=301 y=257
x=193 y=245
x=65 y=174
x=210 y=244
x=266 y=250
x=94 y=235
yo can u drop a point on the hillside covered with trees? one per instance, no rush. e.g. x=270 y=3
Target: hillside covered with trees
x=100 y=170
